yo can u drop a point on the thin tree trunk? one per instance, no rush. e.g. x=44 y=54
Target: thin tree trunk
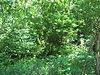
x=98 y=63
x=97 y=48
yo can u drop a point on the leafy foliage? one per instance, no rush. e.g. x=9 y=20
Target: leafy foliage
x=47 y=29
x=52 y=66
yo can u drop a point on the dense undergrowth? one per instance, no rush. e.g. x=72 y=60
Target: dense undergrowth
x=73 y=65
x=76 y=63
x=49 y=37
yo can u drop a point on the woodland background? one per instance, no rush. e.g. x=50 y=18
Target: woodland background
x=49 y=37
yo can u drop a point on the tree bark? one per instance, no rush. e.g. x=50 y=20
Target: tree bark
x=98 y=63
x=97 y=48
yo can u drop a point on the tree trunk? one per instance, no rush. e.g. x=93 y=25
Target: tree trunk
x=98 y=63
x=97 y=48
